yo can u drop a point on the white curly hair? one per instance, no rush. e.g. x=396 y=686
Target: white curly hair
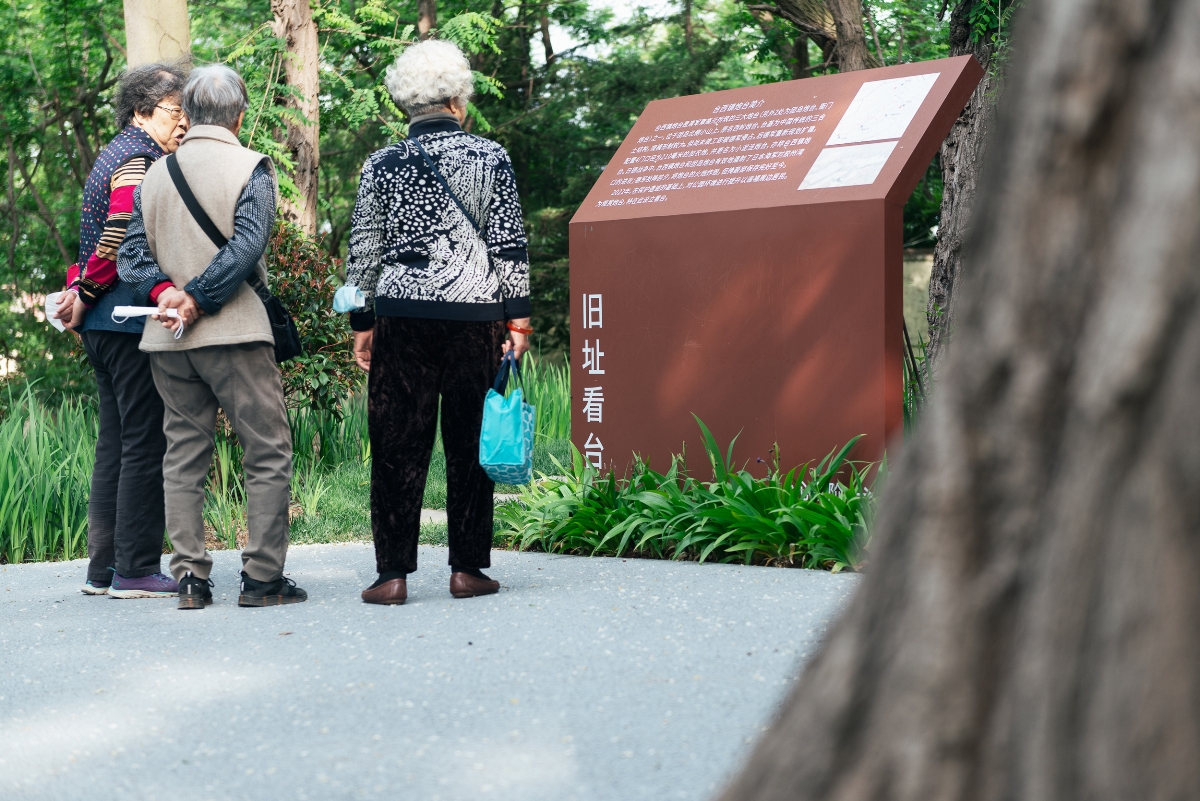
x=428 y=74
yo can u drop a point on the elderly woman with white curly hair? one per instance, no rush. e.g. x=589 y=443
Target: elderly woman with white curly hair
x=438 y=250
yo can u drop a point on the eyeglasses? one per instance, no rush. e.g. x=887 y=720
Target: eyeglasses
x=175 y=111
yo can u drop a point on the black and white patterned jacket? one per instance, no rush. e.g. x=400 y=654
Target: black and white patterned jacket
x=412 y=251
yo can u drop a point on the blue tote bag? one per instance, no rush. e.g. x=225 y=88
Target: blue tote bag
x=506 y=439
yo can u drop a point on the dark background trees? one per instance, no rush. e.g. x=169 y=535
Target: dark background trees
x=560 y=85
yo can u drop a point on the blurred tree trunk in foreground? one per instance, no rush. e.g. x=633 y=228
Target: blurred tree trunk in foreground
x=961 y=156
x=156 y=30
x=294 y=23
x=1028 y=626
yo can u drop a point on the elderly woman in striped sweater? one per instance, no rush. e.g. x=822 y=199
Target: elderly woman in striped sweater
x=126 y=514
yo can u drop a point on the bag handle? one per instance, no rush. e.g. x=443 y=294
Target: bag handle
x=509 y=360
x=206 y=224
x=445 y=185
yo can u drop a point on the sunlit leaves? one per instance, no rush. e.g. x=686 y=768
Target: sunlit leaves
x=471 y=31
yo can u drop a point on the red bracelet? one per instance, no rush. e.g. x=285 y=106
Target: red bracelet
x=518 y=329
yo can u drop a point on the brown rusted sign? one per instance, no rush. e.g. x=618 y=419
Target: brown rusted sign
x=740 y=259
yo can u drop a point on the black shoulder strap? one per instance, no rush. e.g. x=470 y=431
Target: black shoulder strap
x=442 y=180
x=205 y=222
x=189 y=199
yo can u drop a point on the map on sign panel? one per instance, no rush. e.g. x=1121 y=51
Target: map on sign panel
x=881 y=110
x=848 y=166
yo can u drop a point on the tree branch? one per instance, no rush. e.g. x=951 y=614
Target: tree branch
x=46 y=215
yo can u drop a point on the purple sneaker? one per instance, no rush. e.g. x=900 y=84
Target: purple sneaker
x=94 y=587
x=153 y=586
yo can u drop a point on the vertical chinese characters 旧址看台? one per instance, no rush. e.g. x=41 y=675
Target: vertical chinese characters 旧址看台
x=593 y=396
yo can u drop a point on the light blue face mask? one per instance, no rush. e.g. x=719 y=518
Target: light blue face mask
x=348 y=298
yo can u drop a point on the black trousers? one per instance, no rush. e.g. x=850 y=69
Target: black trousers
x=413 y=362
x=126 y=515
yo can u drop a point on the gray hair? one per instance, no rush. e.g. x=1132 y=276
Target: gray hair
x=143 y=88
x=215 y=95
x=429 y=74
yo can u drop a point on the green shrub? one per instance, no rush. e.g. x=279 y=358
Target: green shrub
x=304 y=279
x=782 y=519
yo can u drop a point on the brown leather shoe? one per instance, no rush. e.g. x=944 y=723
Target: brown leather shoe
x=389 y=592
x=464 y=585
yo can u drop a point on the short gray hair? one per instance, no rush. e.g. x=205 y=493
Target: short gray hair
x=142 y=88
x=429 y=74
x=214 y=95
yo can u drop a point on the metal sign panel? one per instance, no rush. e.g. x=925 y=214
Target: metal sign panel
x=740 y=260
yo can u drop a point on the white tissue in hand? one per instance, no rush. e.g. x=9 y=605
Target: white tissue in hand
x=52 y=309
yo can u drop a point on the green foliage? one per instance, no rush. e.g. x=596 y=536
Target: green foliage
x=991 y=20
x=916 y=380
x=903 y=31
x=304 y=278
x=805 y=517
x=547 y=386
x=57 y=70
x=923 y=211
x=45 y=472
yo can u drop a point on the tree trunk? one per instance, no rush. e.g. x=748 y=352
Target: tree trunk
x=426 y=17
x=813 y=18
x=851 y=52
x=961 y=154
x=1028 y=625
x=294 y=22
x=800 y=66
x=156 y=30
x=547 y=47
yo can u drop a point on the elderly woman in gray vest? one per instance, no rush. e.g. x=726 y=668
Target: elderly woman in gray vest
x=438 y=249
x=219 y=350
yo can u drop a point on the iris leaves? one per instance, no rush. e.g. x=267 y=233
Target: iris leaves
x=810 y=516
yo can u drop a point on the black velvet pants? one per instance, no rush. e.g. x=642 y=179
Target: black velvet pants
x=413 y=362
x=126 y=516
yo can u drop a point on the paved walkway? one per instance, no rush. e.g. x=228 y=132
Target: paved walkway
x=584 y=679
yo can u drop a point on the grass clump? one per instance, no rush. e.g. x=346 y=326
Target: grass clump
x=806 y=517
x=45 y=473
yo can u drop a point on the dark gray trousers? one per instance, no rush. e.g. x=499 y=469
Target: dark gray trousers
x=125 y=509
x=416 y=363
x=244 y=381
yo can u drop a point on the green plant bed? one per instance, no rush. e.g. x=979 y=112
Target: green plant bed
x=815 y=517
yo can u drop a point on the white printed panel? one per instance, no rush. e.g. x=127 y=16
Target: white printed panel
x=847 y=166
x=882 y=109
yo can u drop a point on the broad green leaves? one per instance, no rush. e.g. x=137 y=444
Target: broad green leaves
x=806 y=517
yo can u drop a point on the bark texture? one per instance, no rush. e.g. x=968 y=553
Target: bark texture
x=961 y=157
x=294 y=22
x=851 y=51
x=426 y=18
x=156 y=30
x=1028 y=625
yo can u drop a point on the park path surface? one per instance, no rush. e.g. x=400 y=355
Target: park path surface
x=583 y=679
